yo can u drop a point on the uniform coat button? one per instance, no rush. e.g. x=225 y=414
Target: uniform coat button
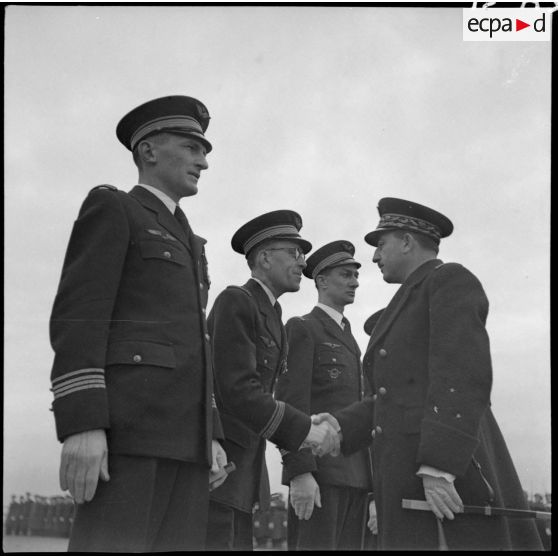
x=167 y=254
x=201 y=285
x=373 y=433
x=137 y=358
x=207 y=337
x=382 y=391
x=374 y=397
x=378 y=429
x=382 y=352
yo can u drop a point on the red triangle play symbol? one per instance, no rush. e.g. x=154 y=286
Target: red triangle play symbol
x=519 y=25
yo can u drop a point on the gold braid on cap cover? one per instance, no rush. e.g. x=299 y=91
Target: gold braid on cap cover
x=395 y=221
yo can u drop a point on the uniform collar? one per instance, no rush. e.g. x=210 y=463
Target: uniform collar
x=336 y=316
x=270 y=295
x=169 y=204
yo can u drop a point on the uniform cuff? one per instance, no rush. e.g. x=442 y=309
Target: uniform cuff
x=433 y=472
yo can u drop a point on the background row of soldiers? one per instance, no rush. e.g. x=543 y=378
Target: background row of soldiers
x=270 y=526
x=544 y=526
x=53 y=516
x=40 y=516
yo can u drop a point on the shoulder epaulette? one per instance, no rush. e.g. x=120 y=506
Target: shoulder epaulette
x=104 y=187
x=243 y=289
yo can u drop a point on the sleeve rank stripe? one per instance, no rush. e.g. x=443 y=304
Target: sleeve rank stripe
x=100 y=386
x=274 y=421
x=92 y=382
x=61 y=385
x=76 y=372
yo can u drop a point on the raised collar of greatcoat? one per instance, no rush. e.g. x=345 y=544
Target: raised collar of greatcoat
x=167 y=220
x=400 y=298
x=331 y=327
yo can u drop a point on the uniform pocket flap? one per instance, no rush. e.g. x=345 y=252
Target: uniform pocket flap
x=161 y=250
x=331 y=357
x=141 y=352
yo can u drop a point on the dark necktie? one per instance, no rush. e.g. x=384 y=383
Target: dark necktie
x=278 y=309
x=347 y=331
x=181 y=218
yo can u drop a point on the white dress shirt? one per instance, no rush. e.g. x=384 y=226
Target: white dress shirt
x=169 y=204
x=268 y=292
x=336 y=316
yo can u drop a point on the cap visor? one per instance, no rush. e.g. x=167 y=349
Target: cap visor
x=194 y=135
x=373 y=237
x=304 y=244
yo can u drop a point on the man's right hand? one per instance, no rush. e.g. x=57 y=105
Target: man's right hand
x=323 y=439
x=304 y=493
x=84 y=460
x=442 y=496
x=321 y=417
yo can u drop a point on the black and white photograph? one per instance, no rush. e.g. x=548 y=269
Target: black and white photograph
x=277 y=278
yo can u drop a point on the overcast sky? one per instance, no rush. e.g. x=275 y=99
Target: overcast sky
x=319 y=110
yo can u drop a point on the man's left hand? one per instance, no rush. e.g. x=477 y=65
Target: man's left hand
x=442 y=497
x=217 y=474
x=372 y=518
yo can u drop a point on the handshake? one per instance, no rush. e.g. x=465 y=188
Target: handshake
x=324 y=436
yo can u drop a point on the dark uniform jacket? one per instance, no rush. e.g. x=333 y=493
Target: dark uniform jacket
x=324 y=374
x=129 y=332
x=428 y=361
x=249 y=351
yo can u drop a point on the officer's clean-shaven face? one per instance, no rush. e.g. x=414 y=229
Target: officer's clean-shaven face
x=180 y=161
x=339 y=285
x=389 y=257
x=286 y=262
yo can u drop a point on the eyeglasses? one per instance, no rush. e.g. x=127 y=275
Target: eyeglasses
x=296 y=253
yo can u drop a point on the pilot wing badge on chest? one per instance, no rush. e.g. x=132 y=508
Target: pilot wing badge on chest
x=163 y=234
x=331 y=345
x=267 y=341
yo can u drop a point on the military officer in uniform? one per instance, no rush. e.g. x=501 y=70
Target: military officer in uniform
x=13 y=513
x=328 y=495
x=429 y=365
x=249 y=351
x=132 y=378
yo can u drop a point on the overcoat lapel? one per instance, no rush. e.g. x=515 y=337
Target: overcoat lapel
x=398 y=301
x=335 y=331
x=271 y=319
x=164 y=216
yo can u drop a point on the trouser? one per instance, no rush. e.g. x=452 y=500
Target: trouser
x=228 y=528
x=148 y=505
x=338 y=525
